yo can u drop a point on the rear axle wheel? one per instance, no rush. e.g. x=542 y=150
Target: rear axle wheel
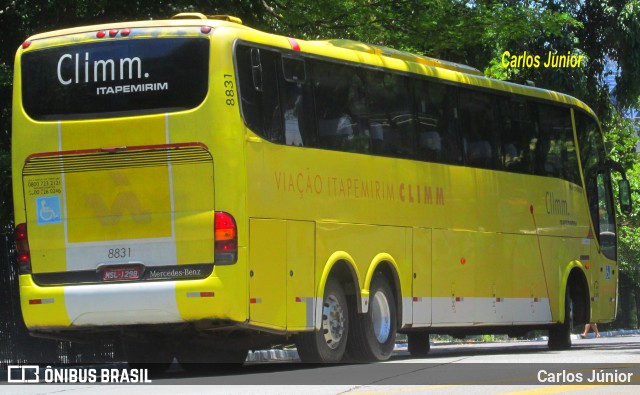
x=374 y=333
x=328 y=344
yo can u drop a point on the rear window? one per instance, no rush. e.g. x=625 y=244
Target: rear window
x=123 y=77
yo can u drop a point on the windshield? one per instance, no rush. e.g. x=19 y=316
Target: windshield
x=123 y=77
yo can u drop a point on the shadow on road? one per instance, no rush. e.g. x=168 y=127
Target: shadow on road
x=440 y=367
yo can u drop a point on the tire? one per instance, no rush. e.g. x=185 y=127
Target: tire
x=328 y=344
x=560 y=335
x=373 y=334
x=418 y=344
x=147 y=355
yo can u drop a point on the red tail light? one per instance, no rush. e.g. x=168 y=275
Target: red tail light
x=22 y=249
x=226 y=239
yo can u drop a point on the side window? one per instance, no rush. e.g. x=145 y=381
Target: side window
x=299 y=128
x=590 y=157
x=519 y=136
x=293 y=103
x=391 y=119
x=591 y=144
x=437 y=138
x=258 y=75
x=480 y=129
x=557 y=156
x=340 y=107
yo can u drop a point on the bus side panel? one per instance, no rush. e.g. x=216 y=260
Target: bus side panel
x=363 y=243
x=281 y=274
x=454 y=270
x=603 y=284
x=422 y=280
x=494 y=279
x=488 y=278
x=607 y=293
x=531 y=300
x=267 y=267
x=300 y=275
x=557 y=253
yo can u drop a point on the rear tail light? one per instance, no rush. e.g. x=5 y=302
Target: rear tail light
x=22 y=249
x=226 y=239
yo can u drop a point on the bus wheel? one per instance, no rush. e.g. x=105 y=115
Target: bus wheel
x=374 y=333
x=147 y=355
x=328 y=344
x=560 y=335
x=418 y=344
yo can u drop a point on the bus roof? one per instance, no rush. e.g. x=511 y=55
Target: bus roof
x=346 y=50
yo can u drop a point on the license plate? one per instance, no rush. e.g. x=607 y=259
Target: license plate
x=121 y=273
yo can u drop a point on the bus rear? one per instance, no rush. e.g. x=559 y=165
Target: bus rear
x=115 y=135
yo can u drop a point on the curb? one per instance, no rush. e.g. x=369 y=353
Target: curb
x=272 y=355
x=292 y=354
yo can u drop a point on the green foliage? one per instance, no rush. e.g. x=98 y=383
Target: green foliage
x=622 y=138
x=455 y=30
x=626 y=51
x=478 y=32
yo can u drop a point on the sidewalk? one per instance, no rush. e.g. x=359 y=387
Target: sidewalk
x=623 y=332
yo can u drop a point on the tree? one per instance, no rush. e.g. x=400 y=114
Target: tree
x=622 y=138
x=611 y=31
x=478 y=32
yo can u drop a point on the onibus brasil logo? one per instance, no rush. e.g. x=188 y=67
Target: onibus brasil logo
x=21 y=374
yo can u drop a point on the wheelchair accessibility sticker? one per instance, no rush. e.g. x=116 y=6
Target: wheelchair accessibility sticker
x=48 y=210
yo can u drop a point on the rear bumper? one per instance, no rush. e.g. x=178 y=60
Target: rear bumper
x=130 y=303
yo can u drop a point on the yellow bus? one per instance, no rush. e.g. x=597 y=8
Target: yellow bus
x=196 y=188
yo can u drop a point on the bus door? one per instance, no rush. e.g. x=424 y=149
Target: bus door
x=597 y=180
x=603 y=255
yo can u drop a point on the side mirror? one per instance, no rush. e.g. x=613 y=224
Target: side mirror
x=624 y=193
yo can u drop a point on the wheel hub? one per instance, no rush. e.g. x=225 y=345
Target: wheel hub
x=333 y=322
x=381 y=317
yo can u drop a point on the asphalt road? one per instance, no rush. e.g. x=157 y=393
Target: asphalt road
x=592 y=366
